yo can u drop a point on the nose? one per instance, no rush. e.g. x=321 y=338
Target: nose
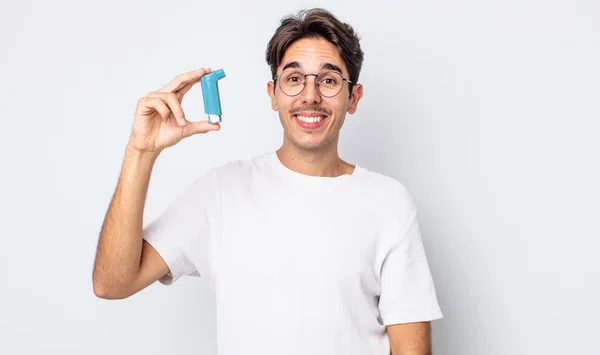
x=310 y=94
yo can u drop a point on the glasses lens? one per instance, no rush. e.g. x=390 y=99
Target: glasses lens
x=330 y=83
x=291 y=82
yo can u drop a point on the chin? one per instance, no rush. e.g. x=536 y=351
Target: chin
x=309 y=144
x=309 y=147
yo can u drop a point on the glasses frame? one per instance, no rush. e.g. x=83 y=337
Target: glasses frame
x=278 y=82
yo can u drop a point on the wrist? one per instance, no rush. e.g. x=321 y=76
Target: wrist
x=141 y=156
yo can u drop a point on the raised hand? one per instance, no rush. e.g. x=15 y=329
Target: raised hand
x=159 y=120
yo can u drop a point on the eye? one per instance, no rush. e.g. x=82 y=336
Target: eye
x=294 y=78
x=329 y=80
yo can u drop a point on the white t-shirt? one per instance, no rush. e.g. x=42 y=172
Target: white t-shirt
x=299 y=264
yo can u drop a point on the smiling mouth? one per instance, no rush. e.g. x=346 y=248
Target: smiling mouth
x=310 y=119
x=310 y=122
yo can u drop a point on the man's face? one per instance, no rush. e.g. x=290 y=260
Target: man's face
x=312 y=56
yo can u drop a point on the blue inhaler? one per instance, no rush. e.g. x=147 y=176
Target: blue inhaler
x=210 y=94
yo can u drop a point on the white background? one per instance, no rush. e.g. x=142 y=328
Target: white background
x=487 y=111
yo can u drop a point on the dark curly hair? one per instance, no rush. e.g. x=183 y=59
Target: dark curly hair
x=316 y=23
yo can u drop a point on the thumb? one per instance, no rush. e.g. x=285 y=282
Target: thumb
x=202 y=127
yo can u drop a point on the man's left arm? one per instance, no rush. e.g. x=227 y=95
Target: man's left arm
x=410 y=338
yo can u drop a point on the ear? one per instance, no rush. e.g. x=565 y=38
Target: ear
x=271 y=92
x=357 y=94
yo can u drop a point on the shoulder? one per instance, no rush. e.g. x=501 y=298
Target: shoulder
x=387 y=192
x=384 y=185
x=241 y=169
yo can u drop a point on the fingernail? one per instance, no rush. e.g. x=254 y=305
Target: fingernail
x=182 y=121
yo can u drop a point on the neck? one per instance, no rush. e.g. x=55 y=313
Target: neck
x=319 y=162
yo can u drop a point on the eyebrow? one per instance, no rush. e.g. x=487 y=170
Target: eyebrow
x=291 y=65
x=328 y=66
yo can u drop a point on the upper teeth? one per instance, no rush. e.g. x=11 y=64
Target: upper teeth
x=311 y=119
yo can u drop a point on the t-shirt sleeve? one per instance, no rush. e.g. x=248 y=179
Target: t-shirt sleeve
x=407 y=289
x=183 y=234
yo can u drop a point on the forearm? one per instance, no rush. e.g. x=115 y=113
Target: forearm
x=120 y=244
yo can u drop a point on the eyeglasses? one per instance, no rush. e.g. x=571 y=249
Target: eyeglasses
x=329 y=83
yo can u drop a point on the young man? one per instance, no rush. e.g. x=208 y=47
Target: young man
x=306 y=253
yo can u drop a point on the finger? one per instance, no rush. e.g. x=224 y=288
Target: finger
x=200 y=127
x=181 y=92
x=172 y=101
x=158 y=105
x=183 y=79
